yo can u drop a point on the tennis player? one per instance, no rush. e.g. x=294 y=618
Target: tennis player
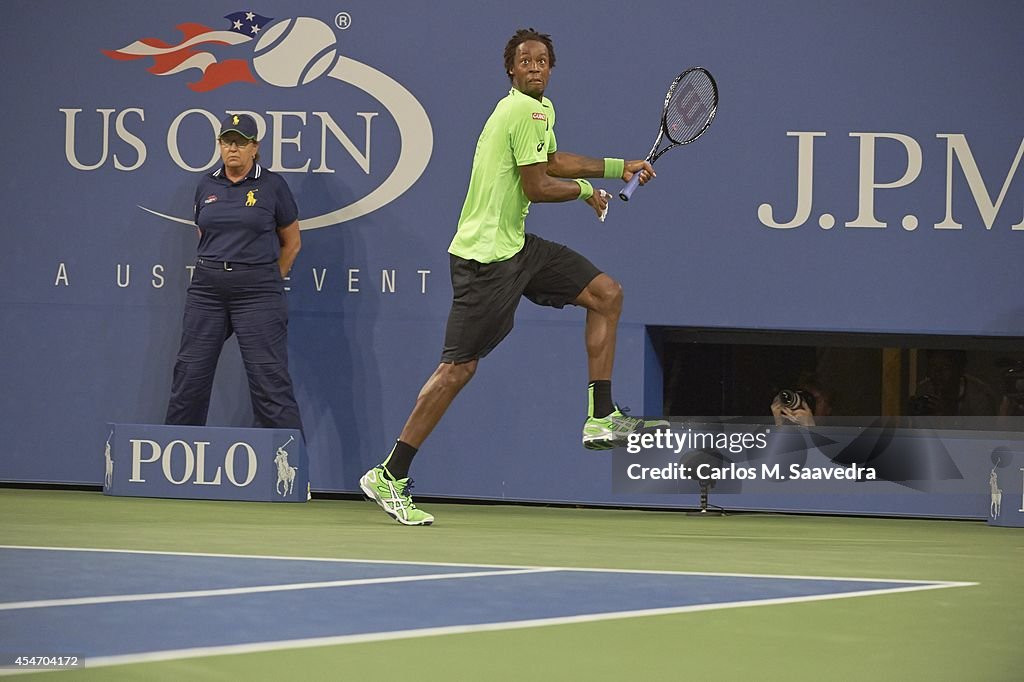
x=494 y=263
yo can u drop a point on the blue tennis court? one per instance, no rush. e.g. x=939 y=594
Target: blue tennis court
x=124 y=606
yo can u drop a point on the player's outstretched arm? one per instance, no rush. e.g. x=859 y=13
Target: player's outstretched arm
x=569 y=165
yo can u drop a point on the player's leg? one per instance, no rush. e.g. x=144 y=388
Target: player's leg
x=432 y=403
x=482 y=314
x=388 y=484
x=606 y=425
x=602 y=298
x=434 y=399
x=561 y=277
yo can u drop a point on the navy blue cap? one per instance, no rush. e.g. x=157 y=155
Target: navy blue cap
x=243 y=124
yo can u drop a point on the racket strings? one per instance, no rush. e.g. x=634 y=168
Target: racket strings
x=691 y=107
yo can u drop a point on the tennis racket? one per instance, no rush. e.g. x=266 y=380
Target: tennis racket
x=690 y=105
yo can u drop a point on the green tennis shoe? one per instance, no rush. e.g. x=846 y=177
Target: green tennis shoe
x=605 y=433
x=393 y=496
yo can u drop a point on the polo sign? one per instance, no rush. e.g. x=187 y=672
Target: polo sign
x=207 y=463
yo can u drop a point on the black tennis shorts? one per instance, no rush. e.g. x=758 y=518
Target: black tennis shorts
x=486 y=295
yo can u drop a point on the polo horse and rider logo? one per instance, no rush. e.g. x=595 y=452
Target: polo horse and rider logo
x=996 y=495
x=285 y=472
x=109 y=476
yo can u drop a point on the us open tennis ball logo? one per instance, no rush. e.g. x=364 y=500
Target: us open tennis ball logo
x=295 y=52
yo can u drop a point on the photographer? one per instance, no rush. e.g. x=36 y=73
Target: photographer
x=948 y=390
x=801 y=405
x=1012 y=404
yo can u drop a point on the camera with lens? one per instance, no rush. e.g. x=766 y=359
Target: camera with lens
x=920 y=405
x=1013 y=383
x=791 y=398
x=1013 y=377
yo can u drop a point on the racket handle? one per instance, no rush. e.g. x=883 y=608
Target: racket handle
x=626 y=192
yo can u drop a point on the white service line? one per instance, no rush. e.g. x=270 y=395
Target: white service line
x=497 y=570
x=395 y=562
x=255 y=589
x=258 y=647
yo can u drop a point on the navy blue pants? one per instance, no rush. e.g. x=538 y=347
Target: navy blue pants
x=250 y=303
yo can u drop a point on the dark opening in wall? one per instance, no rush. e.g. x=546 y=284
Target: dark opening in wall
x=711 y=372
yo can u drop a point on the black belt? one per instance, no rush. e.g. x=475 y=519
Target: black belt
x=223 y=265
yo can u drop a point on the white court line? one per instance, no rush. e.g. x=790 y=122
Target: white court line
x=943 y=583
x=254 y=589
x=259 y=647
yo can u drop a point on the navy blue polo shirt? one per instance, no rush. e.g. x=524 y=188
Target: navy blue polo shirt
x=239 y=220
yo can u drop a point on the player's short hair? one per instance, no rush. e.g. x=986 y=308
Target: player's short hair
x=521 y=36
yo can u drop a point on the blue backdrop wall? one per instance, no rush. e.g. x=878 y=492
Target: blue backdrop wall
x=870 y=150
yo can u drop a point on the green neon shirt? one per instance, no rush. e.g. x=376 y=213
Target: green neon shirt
x=520 y=132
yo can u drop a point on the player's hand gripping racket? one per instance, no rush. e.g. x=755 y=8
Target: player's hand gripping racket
x=690 y=105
